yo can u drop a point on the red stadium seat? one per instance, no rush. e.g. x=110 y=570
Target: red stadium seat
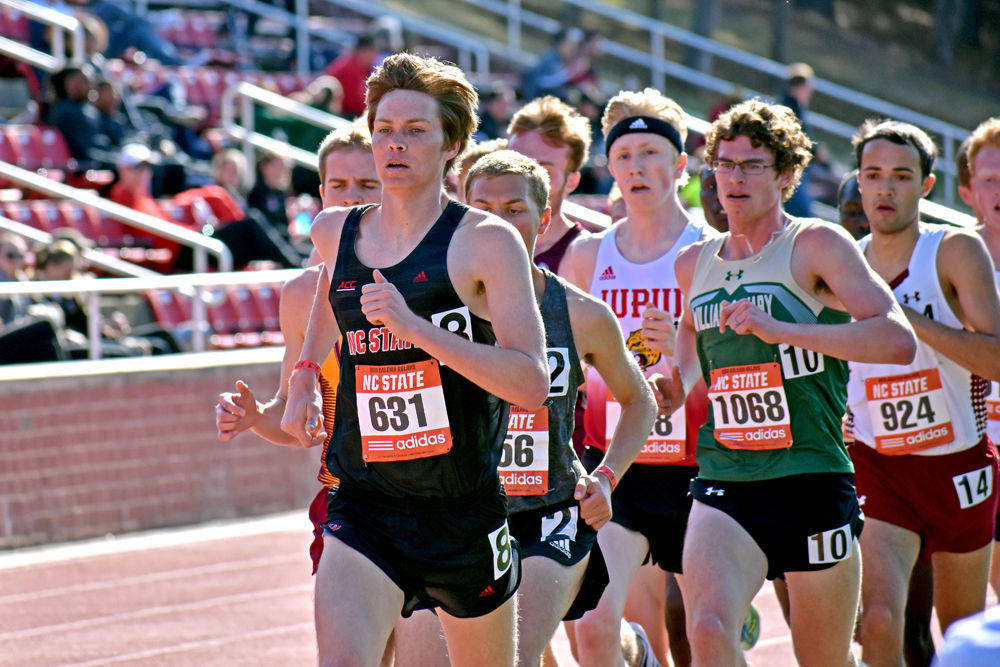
x=267 y=297
x=169 y=308
x=13 y=24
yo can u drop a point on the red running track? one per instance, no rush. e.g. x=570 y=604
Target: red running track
x=238 y=593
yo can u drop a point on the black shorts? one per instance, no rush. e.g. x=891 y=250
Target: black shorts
x=559 y=533
x=802 y=523
x=654 y=501
x=453 y=553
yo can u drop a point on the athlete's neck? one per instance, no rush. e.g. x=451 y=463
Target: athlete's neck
x=538 y=281
x=747 y=237
x=411 y=216
x=889 y=253
x=648 y=233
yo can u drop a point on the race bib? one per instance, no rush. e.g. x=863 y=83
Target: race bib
x=666 y=442
x=993 y=402
x=749 y=407
x=524 y=464
x=909 y=412
x=401 y=412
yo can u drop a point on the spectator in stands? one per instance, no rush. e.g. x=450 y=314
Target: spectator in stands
x=230 y=171
x=851 y=212
x=352 y=70
x=128 y=30
x=72 y=114
x=557 y=66
x=796 y=96
x=13 y=256
x=496 y=104
x=271 y=190
x=29 y=331
x=248 y=239
x=113 y=127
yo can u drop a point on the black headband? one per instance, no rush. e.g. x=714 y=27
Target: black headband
x=635 y=124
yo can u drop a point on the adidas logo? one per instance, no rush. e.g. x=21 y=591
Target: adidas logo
x=638 y=124
x=562 y=544
x=421 y=278
x=607 y=275
x=486 y=592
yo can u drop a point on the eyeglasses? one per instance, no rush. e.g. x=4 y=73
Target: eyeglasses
x=748 y=168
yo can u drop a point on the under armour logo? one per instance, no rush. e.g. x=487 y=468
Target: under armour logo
x=729 y=275
x=638 y=124
x=712 y=491
x=915 y=296
x=862 y=499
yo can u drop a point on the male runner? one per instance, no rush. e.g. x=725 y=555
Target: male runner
x=630 y=267
x=554 y=527
x=441 y=329
x=347 y=178
x=924 y=464
x=555 y=135
x=979 y=187
x=767 y=324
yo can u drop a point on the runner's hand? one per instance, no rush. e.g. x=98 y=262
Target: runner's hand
x=594 y=494
x=669 y=392
x=303 y=417
x=236 y=412
x=744 y=317
x=658 y=330
x=383 y=305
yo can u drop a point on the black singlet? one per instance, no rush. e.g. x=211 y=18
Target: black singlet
x=392 y=415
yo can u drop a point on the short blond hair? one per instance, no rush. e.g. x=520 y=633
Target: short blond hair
x=559 y=124
x=987 y=135
x=457 y=100
x=355 y=137
x=649 y=102
x=475 y=151
x=507 y=162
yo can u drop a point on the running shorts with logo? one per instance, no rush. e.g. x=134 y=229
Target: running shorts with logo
x=454 y=553
x=559 y=533
x=637 y=504
x=802 y=523
x=950 y=500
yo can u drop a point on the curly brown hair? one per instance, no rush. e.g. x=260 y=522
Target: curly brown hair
x=773 y=126
x=456 y=98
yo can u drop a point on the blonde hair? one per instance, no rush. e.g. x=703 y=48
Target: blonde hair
x=355 y=137
x=559 y=124
x=472 y=154
x=649 y=102
x=986 y=135
x=506 y=162
x=457 y=100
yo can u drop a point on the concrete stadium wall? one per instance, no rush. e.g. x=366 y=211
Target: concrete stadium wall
x=91 y=448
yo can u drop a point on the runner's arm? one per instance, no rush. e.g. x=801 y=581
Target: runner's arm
x=964 y=263
x=879 y=332
x=603 y=348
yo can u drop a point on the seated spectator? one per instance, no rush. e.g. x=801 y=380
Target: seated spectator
x=851 y=212
x=352 y=70
x=113 y=127
x=58 y=261
x=496 y=105
x=556 y=67
x=248 y=239
x=72 y=114
x=127 y=30
x=271 y=189
x=229 y=170
x=29 y=332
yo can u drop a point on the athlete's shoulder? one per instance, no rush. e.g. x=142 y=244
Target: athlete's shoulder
x=816 y=236
x=302 y=287
x=326 y=228
x=589 y=316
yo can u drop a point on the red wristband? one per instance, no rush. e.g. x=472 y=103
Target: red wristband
x=609 y=473
x=306 y=365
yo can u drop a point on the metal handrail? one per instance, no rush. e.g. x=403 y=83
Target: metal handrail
x=467 y=46
x=660 y=68
x=200 y=245
x=61 y=24
x=249 y=94
x=180 y=282
x=94 y=257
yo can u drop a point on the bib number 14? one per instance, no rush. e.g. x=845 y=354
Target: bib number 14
x=974 y=487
